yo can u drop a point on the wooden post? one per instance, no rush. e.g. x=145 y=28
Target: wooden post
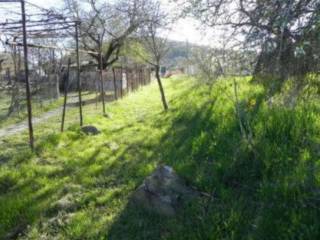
x=66 y=86
x=96 y=90
x=127 y=78
x=140 y=76
x=135 y=78
x=121 y=89
x=143 y=76
x=101 y=77
x=134 y=73
x=115 y=85
x=26 y=70
x=78 y=73
x=8 y=74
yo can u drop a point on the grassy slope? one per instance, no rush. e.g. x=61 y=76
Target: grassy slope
x=271 y=192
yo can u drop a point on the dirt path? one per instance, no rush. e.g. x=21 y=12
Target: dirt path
x=20 y=127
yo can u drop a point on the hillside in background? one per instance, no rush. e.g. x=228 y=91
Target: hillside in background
x=176 y=56
x=178 y=53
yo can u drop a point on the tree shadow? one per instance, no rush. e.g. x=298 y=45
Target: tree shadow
x=206 y=148
x=269 y=189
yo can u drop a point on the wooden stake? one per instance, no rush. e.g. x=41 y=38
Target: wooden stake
x=78 y=73
x=121 y=89
x=101 y=79
x=26 y=69
x=115 y=85
x=127 y=78
x=66 y=86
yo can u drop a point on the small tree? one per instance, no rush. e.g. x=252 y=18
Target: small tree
x=208 y=63
x=156 y=47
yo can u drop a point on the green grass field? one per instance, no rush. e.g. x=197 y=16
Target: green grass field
x=38 y=109
x=78 y=187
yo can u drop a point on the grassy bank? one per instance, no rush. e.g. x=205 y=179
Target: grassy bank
x=78 y=187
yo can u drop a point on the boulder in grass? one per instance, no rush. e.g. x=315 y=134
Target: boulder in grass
x=65 y=203
x=163 y=192
x=90 y=130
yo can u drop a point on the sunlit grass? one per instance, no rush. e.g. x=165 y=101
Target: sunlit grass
x=78 y=187
x=21 y=115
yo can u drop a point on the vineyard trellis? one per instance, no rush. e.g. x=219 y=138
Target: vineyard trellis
x=39 y=28
x=37 y=23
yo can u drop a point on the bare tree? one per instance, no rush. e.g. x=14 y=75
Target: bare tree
x=156 y=46
x=285 y=31
x=105 y=26
x=208 y=63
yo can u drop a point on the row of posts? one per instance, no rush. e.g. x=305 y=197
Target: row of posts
x=134 y=85
x=26 y=69
x=134 y=78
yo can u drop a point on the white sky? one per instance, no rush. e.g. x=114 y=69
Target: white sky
x=183 y=30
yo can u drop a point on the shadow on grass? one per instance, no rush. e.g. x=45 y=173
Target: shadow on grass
x=255 y=196
x=266 y=196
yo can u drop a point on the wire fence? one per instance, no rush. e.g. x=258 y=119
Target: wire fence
x=53 y=75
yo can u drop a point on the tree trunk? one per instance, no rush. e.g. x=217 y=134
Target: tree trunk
x=163 y=97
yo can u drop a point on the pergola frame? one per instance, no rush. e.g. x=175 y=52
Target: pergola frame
x=7 y=27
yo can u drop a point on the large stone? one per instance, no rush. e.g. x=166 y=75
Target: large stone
x=163 y=192
x=90 y=130
x=65 y=203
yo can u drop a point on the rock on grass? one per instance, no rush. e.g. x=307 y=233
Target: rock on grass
x=163 y=192
x=90 y=130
